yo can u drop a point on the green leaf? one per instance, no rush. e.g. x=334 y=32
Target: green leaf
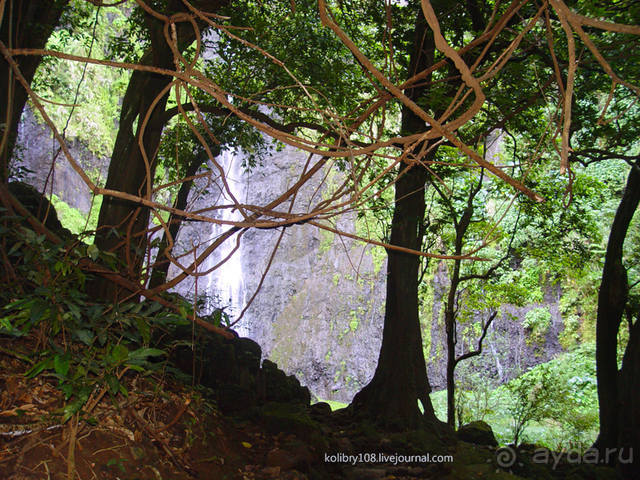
x=93 y=252
x=45 y=364
x=92 y=421
x=80 y=372
x=38 y=368
x=61 y=364
x=15 y=247
x=85 y=336
x=119 y=353
x=6 y=328
x=142 y=353
x=140 y=356
x=144 y=329
x=74 y=308
x=155 y=306
x=72 y=408
x=38 y=310
x=113 y=383
x=68 y=390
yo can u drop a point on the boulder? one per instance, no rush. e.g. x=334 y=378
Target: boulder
x=479 y=433
x=320 y=410
x=288 y=418
x=275 y=386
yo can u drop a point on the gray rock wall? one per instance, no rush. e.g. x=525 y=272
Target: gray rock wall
x=33 y=158
x=508 y=349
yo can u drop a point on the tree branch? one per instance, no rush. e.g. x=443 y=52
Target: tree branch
x=477 y=352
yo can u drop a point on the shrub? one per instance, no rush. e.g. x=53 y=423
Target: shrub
x=87 y=346
x=537 y=321
x=533 y=397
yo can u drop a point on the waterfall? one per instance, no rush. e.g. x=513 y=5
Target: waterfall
x=225 y=285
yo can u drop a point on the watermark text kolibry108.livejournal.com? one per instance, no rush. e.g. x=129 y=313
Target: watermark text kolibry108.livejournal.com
x=393 y=458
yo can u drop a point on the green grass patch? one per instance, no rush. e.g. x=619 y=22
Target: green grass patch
x=74 y=219
x=335 y=405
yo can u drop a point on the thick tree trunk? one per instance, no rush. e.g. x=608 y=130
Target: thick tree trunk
x=400 y=379
x=25 y=24
x=629 y=413
x=615 y=410
x=122 y=225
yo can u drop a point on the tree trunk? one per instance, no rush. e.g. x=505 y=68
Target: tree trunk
x=629 y=413
x=25 y=24
x=461 y=227
x=122 y=225
x=615 y=410
x=400 y=379
x=450 y=326
x=161 y=268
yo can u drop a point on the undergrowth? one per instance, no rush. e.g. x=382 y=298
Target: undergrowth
x=85 y=346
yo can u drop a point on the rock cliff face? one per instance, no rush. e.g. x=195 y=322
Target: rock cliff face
x=320 y=309
x=34 y=155
x=509 y=347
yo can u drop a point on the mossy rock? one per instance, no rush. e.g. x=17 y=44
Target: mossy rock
x=479 y=433
x=320 y=410
x=229 y=367
x=40 y=207
x=468 y=453
x=526 y=467
x=483 y=471
x=418 y=441
x=289 y=418
x=275 y=386
x=586 y=471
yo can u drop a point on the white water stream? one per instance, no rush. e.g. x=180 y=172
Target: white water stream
x=225 y=285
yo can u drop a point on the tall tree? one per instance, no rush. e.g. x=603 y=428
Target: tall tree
x=619 y=408
x=122 y=225
x=400 y=380
x=23 y=24
x=603 y=132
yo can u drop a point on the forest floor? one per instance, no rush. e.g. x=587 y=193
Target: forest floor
x=163 y=429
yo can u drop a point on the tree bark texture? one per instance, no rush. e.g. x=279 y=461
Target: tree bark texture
x=25 y=24
x=122 y=225
x=617 y=399
x=400 y=379
x=629 y=412
x=450 y=314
